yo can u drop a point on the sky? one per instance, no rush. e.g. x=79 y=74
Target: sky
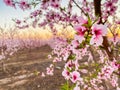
x=8 y=13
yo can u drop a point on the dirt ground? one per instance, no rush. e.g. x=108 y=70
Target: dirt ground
x=21 y=71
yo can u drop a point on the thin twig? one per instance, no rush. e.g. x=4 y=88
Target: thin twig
x=80 y=8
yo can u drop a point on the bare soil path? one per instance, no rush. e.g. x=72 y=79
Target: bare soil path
x=21 y=68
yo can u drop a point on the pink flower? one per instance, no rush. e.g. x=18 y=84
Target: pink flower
x=82 y=21
x=50 y=70
x=43 y=75
x=77 y=87
x=114 y=1
x=84 y=71
x=56 y=60
x=75 y=43
x=114 y=82
x=49 y=56
x=18 y=22
x=2 y=57
x=79 y=38
x=75 y=76
x=109 y=4
x=54 y=3
x=35 y=13
x=96 y=40
x=112 y=10
x=81 y=31
x=34 y=23
x=9 y=3
x=24 y=5
x=106 y=72
x=23 y=27
x=115 y=65
x=98 y=31
x=70 y=64
x=76 y=64
x=66 y=55
x=66 y=74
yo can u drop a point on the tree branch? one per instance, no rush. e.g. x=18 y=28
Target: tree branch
x=79 y=7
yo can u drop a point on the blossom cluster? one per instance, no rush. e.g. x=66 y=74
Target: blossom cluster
x=87 y=59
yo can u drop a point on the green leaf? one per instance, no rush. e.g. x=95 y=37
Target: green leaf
x=72 y=56
x=86 y=25
x=36 y=73
x=101 y=47
x=89 y=22
x=64 y=87
x=88 y=39
x=67 y=87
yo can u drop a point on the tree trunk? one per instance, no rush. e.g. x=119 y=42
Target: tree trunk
x=98 y=13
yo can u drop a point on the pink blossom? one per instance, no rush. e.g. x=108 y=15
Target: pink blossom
x=49 y=56
x=98 y=31
x=106 y=72
x=9 y=3
x=43 y=75
x=70 y=64
x=114 y=82
x=77 y=87
x=42 y=24
x=76 y=64
x=2 y=57
x=34 y=23
x=66 y=55
x=115 y=65
x=114 y=1
x=84 y=71
x=75 y=76
x=50 y=70
x=81 y=31
x=118 y=88
x=96 y=40
x=44 y=4
x=23 y=27
x=75 y=43
x=82 y=21
x=24 y=5
x=54 y=3
x=109 y=4
x=36 y=13
x=18 y=22
x=112 y=10
x=79 y=28
x=66 y=74
x=118 y=22
x=79 y=38
x=56 y=60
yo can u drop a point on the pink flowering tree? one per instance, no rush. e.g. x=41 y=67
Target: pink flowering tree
x=90 y=59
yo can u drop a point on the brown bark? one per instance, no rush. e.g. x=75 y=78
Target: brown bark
x=97 y=5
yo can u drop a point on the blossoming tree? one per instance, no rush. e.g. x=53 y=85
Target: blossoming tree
x=90 y=20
